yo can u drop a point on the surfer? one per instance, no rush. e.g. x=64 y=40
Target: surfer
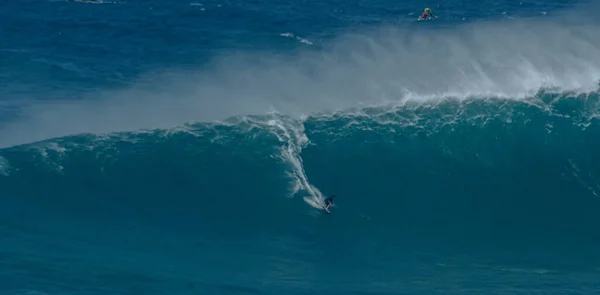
x=427 y=14
x=329 y=202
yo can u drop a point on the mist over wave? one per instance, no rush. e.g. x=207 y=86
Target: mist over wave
x=383 y=66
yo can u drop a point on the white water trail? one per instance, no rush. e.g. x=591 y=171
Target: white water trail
x=294 y=139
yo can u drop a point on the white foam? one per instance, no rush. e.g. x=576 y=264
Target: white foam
x=198 y=5
x=4 y=166
x=53 y=161
x=389 y=66
x=96 y=2
x=301 y=40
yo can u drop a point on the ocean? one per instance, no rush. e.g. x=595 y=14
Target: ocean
x=187 y=147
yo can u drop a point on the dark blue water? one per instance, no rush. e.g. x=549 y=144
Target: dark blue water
x=186 y=147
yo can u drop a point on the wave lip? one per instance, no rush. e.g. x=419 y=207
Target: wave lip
x=490 y=142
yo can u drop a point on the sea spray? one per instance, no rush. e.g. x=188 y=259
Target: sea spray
x=383 y=66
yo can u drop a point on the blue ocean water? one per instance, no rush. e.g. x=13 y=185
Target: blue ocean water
x=185 y=147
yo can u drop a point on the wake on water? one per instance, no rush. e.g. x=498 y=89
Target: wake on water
x=294 y=140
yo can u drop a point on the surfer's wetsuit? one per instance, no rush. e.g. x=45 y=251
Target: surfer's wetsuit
x=329 y=201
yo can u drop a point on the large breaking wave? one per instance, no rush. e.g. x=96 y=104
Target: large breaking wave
x=475 y=131
x=478 y=167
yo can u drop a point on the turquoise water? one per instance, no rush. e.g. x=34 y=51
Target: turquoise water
x=180 y=148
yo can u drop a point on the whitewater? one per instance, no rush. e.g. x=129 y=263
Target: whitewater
x=187 y=148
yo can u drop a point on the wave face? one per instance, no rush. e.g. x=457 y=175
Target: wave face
x=516 y=178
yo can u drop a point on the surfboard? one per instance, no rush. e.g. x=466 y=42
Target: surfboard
x=427 y=18
x=316 y=204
